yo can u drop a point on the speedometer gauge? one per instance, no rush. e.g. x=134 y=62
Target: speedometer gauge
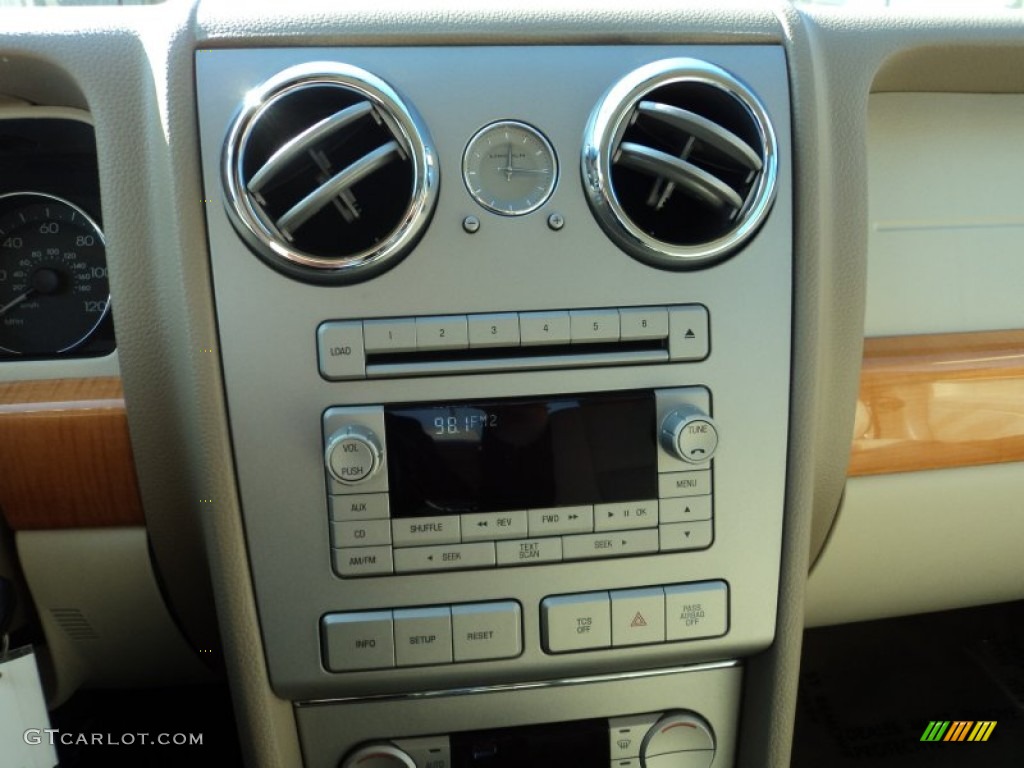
x=53 y=275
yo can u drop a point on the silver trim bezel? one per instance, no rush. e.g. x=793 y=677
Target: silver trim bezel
x=534 y=684
x=263 y=237
x=607 y=124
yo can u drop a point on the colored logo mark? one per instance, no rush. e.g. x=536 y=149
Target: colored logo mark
x=958 y=730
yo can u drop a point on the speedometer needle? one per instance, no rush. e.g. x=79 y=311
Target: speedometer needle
x=12 y=304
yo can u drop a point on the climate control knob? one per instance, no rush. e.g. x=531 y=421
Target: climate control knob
x=380 y=755
x=353 y=454
x=678 y=740
x=689 y=434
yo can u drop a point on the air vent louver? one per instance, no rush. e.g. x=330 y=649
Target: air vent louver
x=330 y=177
x=679 y=164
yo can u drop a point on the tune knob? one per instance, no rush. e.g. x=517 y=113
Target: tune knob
x=678 y=740
x=379 y=755
x=353 y=454
x=689 y=434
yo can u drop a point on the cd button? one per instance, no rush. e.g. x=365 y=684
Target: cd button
x=360 y=533
x=418 y=531
x=561 y=520
x=491 y=526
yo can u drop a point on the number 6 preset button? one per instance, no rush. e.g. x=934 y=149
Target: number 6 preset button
x=576 y=622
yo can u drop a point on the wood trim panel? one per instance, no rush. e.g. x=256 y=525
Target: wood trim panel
x=65 y=455
x=939 y=401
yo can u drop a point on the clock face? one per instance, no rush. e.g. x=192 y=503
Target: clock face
x=510 y=168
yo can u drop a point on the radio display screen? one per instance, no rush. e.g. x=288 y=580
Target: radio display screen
x=513 y=454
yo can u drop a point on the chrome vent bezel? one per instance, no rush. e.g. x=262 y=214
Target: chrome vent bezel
x=411 y=141
x=603 y=136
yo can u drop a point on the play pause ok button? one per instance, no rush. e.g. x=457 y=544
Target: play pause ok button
x=638 y=616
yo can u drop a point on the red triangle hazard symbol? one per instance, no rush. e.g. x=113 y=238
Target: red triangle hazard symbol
x=638 y=620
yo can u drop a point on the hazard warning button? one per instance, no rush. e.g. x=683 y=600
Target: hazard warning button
x=638 y=616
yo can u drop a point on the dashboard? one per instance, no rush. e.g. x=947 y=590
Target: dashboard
x=484 y=380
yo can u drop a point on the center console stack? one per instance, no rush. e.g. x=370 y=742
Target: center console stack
x=506 y=343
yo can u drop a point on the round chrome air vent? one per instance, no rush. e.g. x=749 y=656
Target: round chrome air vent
x=679 y=163
x=330 y=177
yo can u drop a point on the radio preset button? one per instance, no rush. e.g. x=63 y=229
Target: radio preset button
x=340 y=350
x=599 y=545
x=674 y=484
x=498 y=330
x=541 y=328
x=576 y=622
x=625 y=515
x=360 y=533
x=423 y=636
x=688 y=333
x=444 y=332
x=359 y=506
x=693 y=611
x=492 y=526
x=362 y=561
x=396 y=335
x=529 y=551
x=357 y=641
x=677 y=537
x=686 y=509
x=561 y=520
x=640 y=323
x=444 y=558
x=591 y=325
x=419 y=531
x=487 y=631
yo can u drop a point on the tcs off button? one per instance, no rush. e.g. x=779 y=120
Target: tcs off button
x=353 y=455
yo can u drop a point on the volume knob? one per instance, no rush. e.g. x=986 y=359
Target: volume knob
x=689 y=434
x=353 y=454
x=381 y=755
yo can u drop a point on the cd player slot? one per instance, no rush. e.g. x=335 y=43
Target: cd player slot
x=513 y=359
